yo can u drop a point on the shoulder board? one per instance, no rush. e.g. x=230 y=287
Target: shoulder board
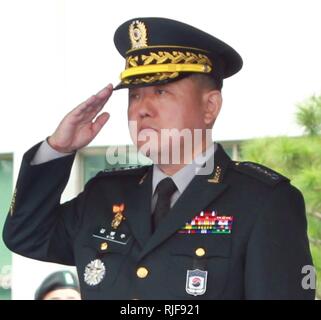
x=130 y=170
x=260 y=172
x=122 y=170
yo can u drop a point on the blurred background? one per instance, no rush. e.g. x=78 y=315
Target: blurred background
x=56 y=53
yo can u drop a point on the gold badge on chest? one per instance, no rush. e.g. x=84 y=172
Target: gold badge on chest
x=118 y=210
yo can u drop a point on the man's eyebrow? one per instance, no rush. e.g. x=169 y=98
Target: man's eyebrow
x=162 y=86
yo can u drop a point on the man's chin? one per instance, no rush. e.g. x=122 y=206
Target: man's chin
x=159 y=154
x=152 y=153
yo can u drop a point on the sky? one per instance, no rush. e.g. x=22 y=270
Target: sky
x=55 y=54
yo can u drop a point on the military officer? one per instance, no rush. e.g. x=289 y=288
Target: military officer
x=173 y=230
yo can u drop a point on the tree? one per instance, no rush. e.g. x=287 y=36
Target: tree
x=309 y=115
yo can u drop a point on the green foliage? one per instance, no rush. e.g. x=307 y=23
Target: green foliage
x=309 y=115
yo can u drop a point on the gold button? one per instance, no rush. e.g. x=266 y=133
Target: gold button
x=104 y=246
x=142 y=272
x=200 y=252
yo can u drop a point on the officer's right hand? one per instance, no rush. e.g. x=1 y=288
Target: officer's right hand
x=78 y=128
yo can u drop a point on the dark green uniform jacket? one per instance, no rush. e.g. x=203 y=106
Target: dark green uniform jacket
x=260 y=256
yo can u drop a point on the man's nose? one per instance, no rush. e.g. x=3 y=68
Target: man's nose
x=147 y=106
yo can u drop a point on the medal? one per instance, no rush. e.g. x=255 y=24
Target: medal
x=208 y=222
x=119 y=217
x=94 y=272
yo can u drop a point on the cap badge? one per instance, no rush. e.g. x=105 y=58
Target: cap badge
x=138 y=34
x=94 y=272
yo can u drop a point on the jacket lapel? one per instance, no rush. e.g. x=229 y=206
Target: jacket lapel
x=203 y=190
x=138 y=213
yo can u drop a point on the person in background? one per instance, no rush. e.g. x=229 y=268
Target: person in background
x=60 y=285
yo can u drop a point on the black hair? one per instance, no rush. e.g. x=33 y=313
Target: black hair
x=207 y=81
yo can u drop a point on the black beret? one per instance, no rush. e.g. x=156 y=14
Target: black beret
x=159 y=50
x=57 y=280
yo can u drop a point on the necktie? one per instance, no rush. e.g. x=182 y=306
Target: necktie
x=165 y=189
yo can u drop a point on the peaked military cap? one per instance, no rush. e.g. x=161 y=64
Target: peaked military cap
x=159 y=50
x=55 y=281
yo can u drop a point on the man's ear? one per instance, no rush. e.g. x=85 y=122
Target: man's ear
x=212 y=106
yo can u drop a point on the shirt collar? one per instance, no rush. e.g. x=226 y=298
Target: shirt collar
x=184 y=176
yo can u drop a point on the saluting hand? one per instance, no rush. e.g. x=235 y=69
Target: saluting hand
x=79 y=127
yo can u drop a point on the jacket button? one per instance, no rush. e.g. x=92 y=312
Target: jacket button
x=104 y=246
x=142 y=272
x=200 y=252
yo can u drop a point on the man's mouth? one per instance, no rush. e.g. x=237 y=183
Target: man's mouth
x=145 y=129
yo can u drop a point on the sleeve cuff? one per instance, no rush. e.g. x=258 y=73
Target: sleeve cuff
x=46 y=153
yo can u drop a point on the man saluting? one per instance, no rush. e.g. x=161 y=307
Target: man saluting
x=202 y=227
